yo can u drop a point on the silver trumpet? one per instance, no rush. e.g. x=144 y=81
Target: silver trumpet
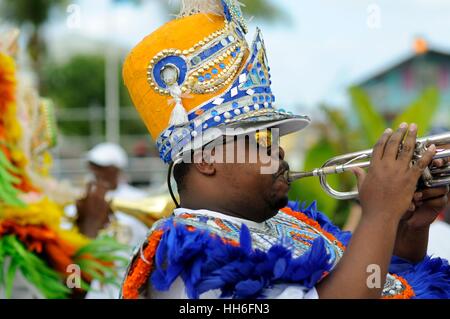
x=431 y=177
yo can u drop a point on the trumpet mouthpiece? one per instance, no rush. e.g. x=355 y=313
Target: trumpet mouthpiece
x=293 y=176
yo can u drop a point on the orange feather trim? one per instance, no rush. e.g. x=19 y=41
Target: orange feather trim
x=140 y=269
x=311 y=222
x=408 y=293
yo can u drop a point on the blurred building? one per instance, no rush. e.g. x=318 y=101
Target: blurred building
x=398 y=85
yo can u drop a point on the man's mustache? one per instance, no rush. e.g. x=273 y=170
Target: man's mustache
x=284 y=166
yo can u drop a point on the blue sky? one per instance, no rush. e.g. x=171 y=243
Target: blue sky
x=327 y=46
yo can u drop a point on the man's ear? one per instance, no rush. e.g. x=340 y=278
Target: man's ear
x=204 y=165
x=205 y=168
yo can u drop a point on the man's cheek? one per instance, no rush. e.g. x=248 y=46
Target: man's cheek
x=247 y=176
x=278 y=186
x=281 y=187
x=261 y=181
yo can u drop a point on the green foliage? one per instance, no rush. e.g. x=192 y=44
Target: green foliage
x=77 y=83
x=421 y=111
x=80 y=83
x=100 y=247
x=100 y=251
x=14 y=256
x=339 y=137
x=372 y=123
x=34 y=13
x=133 y=127
x=267 y=10
x=25 y=11
x=8 y=194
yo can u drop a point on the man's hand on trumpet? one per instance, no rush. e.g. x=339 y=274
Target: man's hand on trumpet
x=426 y=204
x=413 y=230
x=378 y=187
x=386 y=193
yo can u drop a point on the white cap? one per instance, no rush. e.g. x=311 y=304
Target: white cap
x=108 y=154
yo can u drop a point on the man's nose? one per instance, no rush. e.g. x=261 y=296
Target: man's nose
x=281 y=153
x=278 y=151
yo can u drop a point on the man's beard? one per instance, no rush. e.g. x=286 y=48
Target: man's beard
x=276 y=203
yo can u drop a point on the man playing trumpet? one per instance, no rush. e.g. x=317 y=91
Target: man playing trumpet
x=235 y=234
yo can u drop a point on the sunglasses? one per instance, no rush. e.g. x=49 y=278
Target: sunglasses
x=264 y=139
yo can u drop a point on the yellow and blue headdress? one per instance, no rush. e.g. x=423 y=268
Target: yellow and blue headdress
x=197 y=73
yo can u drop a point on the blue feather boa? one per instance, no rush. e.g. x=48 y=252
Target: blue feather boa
x=205 y=263
x=430 y=278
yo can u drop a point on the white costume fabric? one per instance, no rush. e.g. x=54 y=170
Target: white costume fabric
x=439 y=240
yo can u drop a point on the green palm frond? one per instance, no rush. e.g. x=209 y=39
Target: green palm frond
x=421 y=111
x=15 y=257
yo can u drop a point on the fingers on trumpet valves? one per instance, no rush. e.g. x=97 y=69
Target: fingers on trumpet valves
x=418 y=196
x=378 y=150
x=440 y=162
x=445 y=161
x=424 y=161
x=412 y=207
x=408 y=147
x=394 y=142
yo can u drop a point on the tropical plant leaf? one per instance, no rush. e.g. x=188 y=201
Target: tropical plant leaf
x=8 y=194
x=421 y=111
x=338 y=119
x=90 y=258
x=34 y=269
x=101 y=245
x=10 y=275
x=372 y=123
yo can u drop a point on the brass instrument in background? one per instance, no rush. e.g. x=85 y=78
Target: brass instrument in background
x=147 y=210
x=432 y=176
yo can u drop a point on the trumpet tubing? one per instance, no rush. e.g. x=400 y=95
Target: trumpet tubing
x=432 y=176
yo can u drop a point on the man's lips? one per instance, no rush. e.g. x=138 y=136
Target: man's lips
x=281 y=174
x=282 y=177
